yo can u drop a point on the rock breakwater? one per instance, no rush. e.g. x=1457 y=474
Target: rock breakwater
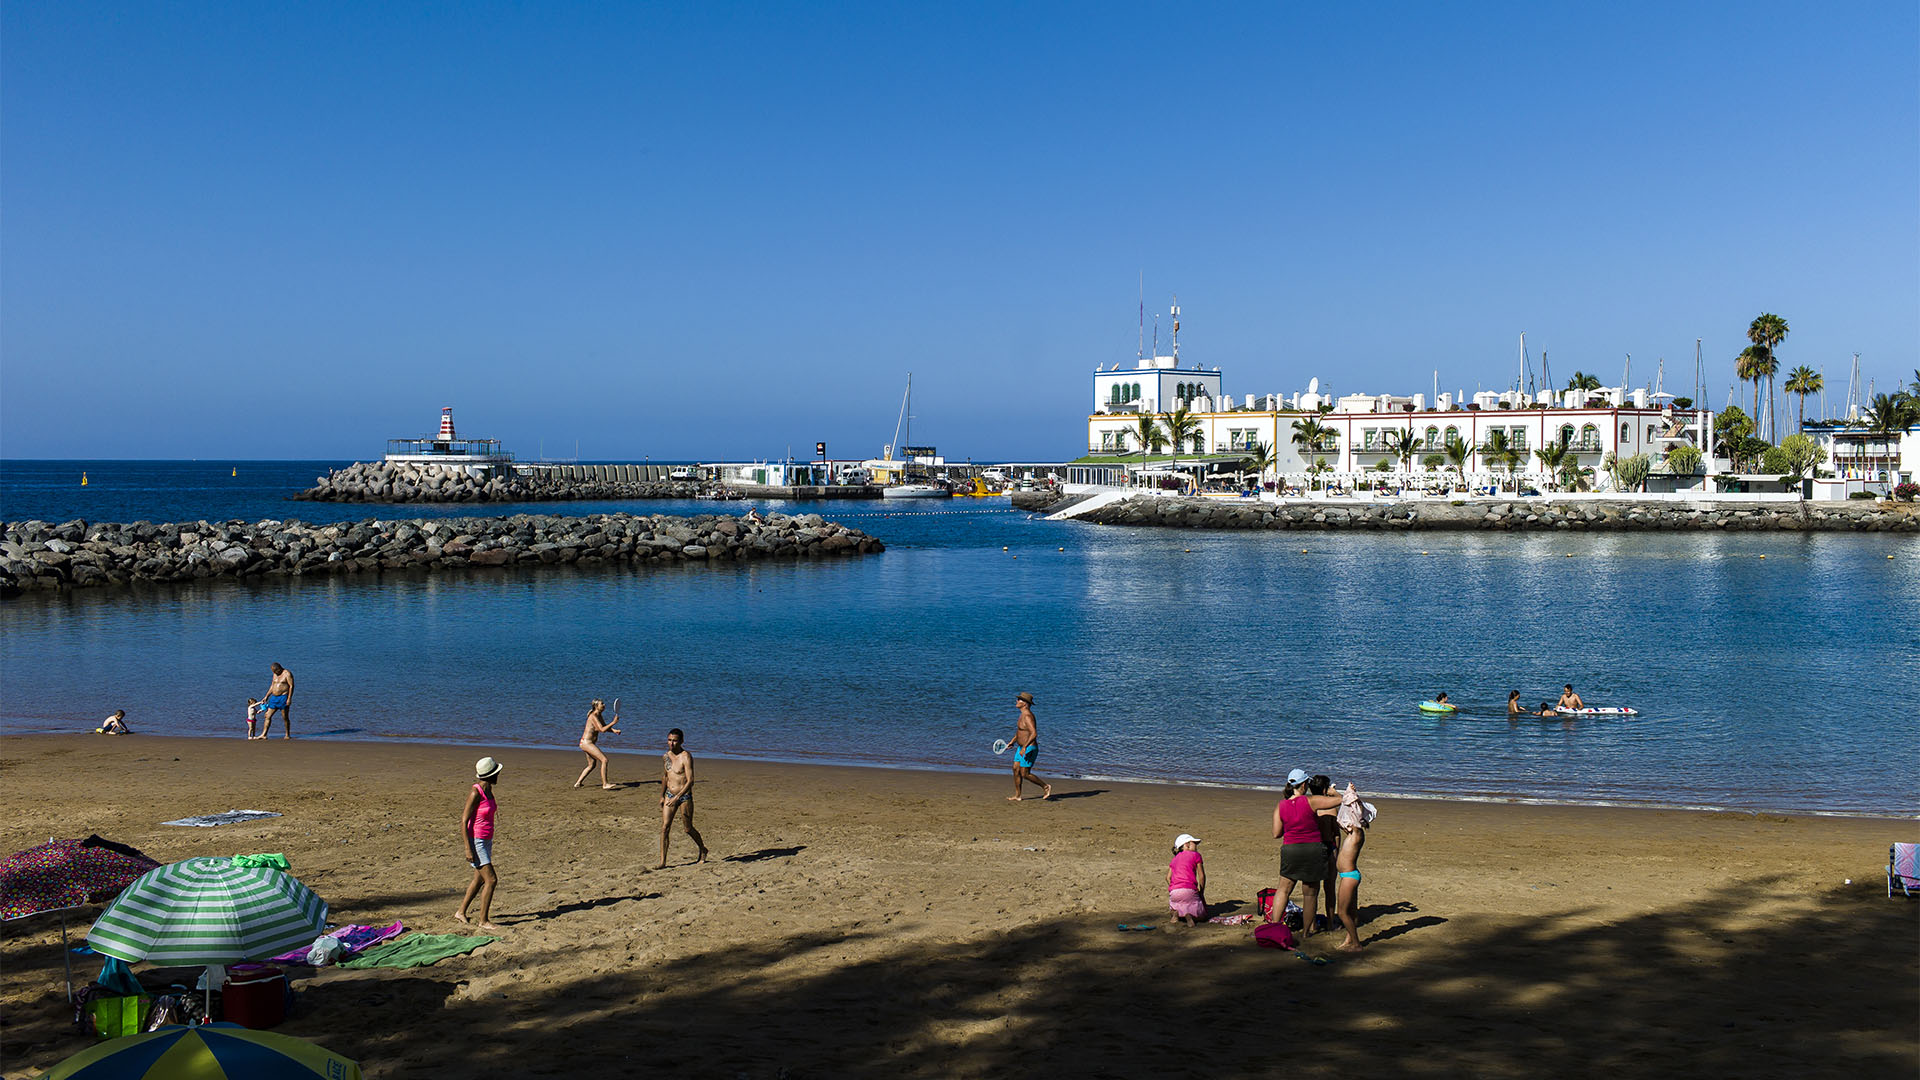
x=38 y=555
x=410 y=482
x=1510 y=515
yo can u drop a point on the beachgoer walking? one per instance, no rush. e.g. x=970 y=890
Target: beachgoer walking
x=1026 y=748
x=1570 y=700
x=279 y=699
x=1303 y=858
x=676 y=794
x=1187 y=880
x=115 y=724
x=590 y=742
x=1353 y=816
x=476 y=825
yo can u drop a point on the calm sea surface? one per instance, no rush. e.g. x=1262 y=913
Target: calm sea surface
x=1205 y=657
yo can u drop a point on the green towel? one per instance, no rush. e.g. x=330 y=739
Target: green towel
x=276 y=861
x=416 y=950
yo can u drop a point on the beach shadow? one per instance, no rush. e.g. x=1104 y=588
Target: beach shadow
x=1407 y=927
x=766 y=853
x=570 y=908
x=1087 y=794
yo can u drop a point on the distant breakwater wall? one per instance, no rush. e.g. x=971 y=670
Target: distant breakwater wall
x=37 y=555
x=1509 y=515
x=413 y=482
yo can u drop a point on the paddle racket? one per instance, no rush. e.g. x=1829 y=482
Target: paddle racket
x=999 y=746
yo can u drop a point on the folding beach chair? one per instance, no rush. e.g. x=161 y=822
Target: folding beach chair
x=1903 y=869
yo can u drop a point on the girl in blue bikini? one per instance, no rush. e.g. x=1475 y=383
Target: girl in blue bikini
x=1346 y=880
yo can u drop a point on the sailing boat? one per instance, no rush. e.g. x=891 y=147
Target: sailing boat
x=909 y=487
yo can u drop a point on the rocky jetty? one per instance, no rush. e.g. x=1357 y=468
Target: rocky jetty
x=1510 y=514
x=410 y=482
x=37 y=555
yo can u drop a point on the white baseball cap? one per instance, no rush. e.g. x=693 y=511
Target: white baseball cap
x=1183 y=840
x=1298 y=777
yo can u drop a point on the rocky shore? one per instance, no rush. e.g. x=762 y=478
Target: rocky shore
x=1511 y=515
x=405 y=482
x=38 y=555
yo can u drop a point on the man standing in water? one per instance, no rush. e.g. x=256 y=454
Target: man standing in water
x=676 y=791
x=279 y=699
x=1026 y=747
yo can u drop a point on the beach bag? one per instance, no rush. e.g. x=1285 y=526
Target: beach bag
x=1264 y=899
x=117 y=1015
x=1273 y=936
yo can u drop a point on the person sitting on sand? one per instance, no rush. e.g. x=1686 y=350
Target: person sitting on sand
x=1303 y=857
x=1353 y=817
x=590 y=742
x=115 y=724
x=476 y=824
x=1570 y=700
x=1187 y=880
x=676 y=792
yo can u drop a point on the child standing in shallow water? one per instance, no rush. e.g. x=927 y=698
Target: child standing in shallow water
x=477 y=825
x=1187 y=880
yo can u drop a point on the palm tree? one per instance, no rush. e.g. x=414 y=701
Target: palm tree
x=1319 y=466
x=1181 y=426
x=1891 y=414
x=1768 y=331
x=1458 y=453
x=1404 y=445
x=1147 y=430
x=1583 y=381
x=1260 y=457
x=1555 y=456
x=1499 y=450
x=1749 y=366
x=1310 y=434
x=1803 y=381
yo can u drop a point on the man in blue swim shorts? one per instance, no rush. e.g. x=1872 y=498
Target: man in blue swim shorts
x=1026 y=748
x=279 y=699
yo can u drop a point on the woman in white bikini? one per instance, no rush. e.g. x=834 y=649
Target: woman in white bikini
x=590 y=742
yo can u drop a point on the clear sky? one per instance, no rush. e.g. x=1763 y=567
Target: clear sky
x=712 y=230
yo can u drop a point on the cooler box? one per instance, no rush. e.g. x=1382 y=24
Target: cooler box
x=255 y=997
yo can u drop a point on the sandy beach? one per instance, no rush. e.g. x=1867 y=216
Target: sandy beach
x=856 y=922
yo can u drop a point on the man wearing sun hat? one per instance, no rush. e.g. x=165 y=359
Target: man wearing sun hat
x=1026 y=748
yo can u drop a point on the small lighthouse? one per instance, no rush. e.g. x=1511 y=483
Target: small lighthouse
x=446 y=424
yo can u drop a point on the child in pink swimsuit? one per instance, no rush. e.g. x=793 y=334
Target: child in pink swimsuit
x=476 y=822
x=1187 y=880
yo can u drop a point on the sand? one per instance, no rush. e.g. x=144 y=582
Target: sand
x=870 y=922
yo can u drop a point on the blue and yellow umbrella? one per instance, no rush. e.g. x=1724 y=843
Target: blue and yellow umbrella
x=212 y=1052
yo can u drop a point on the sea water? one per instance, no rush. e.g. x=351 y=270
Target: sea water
x=1202 y=657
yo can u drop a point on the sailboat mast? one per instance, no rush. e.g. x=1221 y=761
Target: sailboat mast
x=903 y=417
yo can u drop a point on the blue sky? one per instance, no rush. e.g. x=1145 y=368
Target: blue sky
x=717 y=230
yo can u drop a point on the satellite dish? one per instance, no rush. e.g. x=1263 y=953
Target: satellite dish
x=1313 y=385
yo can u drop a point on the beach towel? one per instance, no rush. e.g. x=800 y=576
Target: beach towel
x=208 y=821
x=1232 y=920
x=418 y=950
x=353 y=938
x=275 y=861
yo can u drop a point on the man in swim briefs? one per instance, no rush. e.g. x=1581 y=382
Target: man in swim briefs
x=1026 y=747
x=676 y=793
x=279 y=699
x=1569 y=699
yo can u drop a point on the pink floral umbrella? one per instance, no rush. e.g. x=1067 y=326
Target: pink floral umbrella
x=63 y=874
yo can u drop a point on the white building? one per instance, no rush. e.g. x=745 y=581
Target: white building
x=1361 y=432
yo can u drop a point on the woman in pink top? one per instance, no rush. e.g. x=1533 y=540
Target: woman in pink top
x=1303 y=857
x=1187 y=880
x=476 y=824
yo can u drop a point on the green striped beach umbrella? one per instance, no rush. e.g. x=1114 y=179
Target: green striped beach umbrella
x=209 y=911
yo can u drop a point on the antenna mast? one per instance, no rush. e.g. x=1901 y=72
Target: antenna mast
x=1176 y=329
x=1699 y=378
x=1524 y=381
x=1140 y=354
